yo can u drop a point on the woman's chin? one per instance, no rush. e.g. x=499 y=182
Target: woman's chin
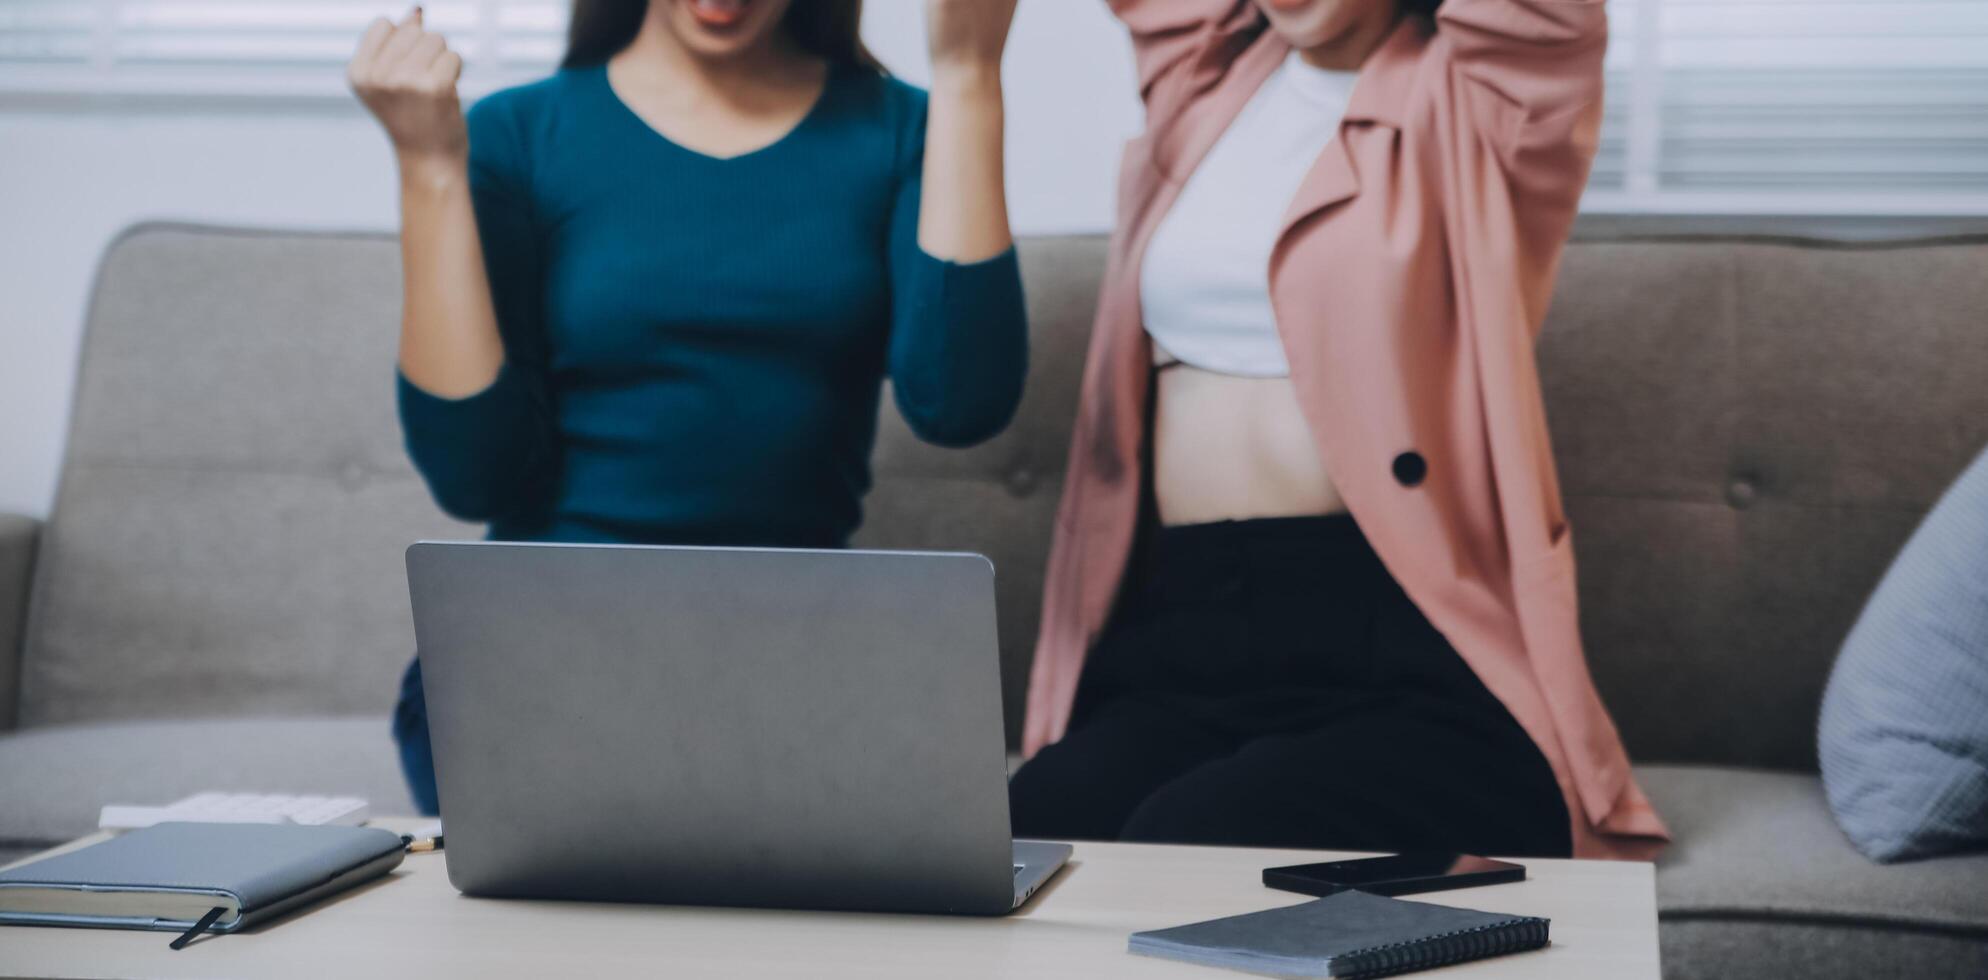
x=720 y=28
x=1306 y=24
x=1301 y=32
x=706 y=46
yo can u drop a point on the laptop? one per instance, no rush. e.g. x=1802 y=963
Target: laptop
x=720 y=726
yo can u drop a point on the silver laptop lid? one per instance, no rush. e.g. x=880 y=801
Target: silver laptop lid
x=798 y=729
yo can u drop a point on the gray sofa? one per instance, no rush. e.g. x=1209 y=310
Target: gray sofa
x=1747 y=429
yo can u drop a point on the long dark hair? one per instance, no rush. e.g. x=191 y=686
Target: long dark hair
x=824 y=28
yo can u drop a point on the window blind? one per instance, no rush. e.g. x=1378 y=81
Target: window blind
x=1714 y=106
x=1796 y=106
x=246 y=48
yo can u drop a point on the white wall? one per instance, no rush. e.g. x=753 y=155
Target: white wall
x=72 y=177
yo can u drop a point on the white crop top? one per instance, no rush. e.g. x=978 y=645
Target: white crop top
x=1204 y=285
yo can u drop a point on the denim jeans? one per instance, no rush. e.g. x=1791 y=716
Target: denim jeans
x=410 y=733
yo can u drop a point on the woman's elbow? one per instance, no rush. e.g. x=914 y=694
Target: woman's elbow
x=958 y=423
x=467 y=503
x=476 y=495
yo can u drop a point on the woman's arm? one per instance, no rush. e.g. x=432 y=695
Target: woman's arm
x=475 y=421
x=1544 y=55
x=1540 y=64
x=406 y=76
x=1166 y=32
x=965 y=213
x=959 y=333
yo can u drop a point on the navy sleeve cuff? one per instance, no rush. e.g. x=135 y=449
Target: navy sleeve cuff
x=958 y=374
x=476 y=453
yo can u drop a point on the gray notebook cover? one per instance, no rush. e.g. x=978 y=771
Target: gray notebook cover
x=268 y=868
x=1350 y=934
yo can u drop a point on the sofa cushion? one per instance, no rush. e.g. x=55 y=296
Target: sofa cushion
x=1904 y=731
x=234 y=499
x=1724 y=949
x=1746 y=431
x=57 y=778
x=1758 y=864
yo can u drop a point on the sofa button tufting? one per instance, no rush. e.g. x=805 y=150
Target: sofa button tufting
x=1020 y=481
x=1741 y=493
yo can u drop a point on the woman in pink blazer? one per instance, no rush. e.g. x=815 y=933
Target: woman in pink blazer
x=1311 y=582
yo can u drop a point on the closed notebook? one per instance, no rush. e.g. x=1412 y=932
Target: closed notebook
x=174 y=875
x=1350 y=934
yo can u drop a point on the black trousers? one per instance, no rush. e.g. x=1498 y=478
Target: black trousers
x=1267 y=683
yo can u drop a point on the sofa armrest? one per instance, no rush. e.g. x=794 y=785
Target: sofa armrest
x=18 y=537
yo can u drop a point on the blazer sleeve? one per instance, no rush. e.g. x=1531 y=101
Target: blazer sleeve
x=1165 y=33
x=1536 y=70
x=1543 y=55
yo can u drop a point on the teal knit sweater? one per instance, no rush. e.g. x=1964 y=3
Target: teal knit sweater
x=695 y=346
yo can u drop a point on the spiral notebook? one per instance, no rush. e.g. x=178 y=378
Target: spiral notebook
x=1350 y=934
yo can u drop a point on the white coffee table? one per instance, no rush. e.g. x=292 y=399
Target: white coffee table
x=413 y=924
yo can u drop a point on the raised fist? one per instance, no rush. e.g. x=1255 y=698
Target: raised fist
x=406 y=76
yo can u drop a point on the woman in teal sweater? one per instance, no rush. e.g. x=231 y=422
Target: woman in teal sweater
x=653 y=298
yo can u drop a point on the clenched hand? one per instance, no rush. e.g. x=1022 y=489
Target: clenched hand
x=406 y=76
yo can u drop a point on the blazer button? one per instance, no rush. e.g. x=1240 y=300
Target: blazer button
x=1410 y=468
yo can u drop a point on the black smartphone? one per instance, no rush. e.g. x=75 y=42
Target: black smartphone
x=1399 y=874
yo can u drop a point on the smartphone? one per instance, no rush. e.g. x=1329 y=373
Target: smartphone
x=1399 y=874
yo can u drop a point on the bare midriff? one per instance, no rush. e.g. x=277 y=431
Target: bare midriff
x=1234 y=448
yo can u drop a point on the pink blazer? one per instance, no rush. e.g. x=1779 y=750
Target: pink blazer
x=1409 y=283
